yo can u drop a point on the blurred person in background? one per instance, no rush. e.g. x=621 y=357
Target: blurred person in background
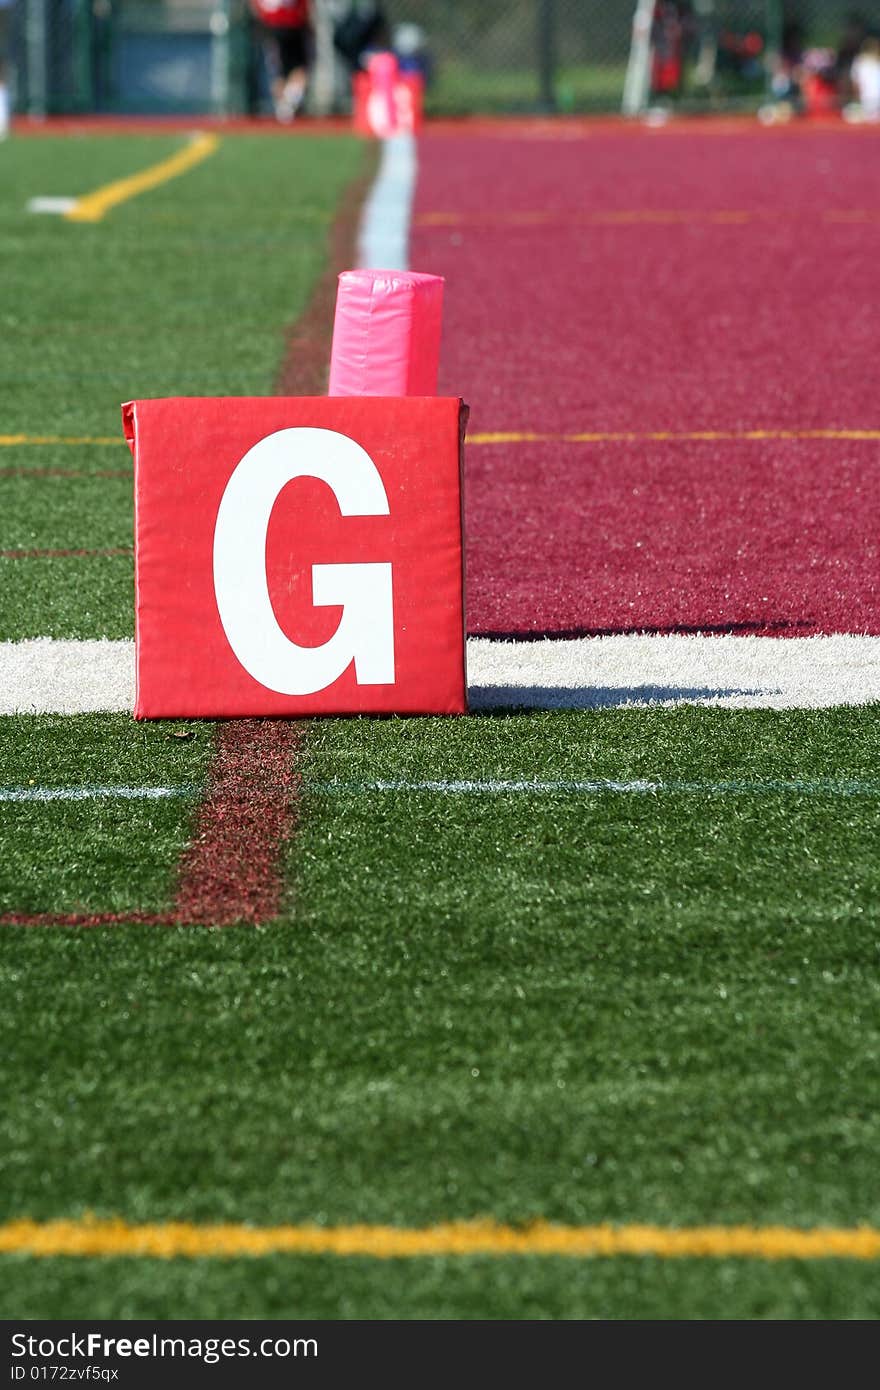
x=865 y=73
x=286 y=38
x=5 y=43
x=361 y=30
x=786 y=72
x=671 y=32
x=741 y=54
x=818 y=82
x=410 y=47
x=786 y=75
x=855 y=32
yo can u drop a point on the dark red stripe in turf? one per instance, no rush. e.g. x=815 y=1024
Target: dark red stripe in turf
x=231 y=871
x=110 y=553
x=306 y=366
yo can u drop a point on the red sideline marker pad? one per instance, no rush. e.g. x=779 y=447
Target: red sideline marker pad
x=386 y=333
x=385 y=100
x=298 y=556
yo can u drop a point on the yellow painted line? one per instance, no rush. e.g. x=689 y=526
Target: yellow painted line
x=10 y=441
x=92 y=1237
x=605 y=217
x=513 y=437
x=648 y=436
x=623 y=217
x=14 y=441
x=93 y=206
x=739 y=216
x=664 y=216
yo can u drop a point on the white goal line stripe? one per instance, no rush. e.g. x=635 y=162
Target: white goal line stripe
x=636 y=670
x=633 y=671
x=383 y=238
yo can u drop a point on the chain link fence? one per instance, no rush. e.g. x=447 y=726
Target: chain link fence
x=149 y=56
x=573 y=55
x=480 y=56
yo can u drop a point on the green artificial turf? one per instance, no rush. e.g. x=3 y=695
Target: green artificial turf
x=64 y=513
x=473 y=1287
x=582 y=1008
x=100 y=855
x=66 y=595
x=184 y=290
x=73 y=596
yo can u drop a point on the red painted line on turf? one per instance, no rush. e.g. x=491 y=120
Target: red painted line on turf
x=111 y=552
x=231 y=871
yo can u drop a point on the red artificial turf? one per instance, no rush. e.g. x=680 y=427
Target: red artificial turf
x=567 y=325
x=779 y=539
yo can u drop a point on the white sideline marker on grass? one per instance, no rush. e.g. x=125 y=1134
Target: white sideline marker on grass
x=57 y=206
x=383 y=240
x=828 y=786
x=636 y=671
x=92 y=793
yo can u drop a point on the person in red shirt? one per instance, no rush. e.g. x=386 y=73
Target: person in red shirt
x=286 y=36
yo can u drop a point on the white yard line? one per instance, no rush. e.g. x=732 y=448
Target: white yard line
x=42 y=676
x=822 y=786
x=383 y=241
x=92 y=793
x=57 y=207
